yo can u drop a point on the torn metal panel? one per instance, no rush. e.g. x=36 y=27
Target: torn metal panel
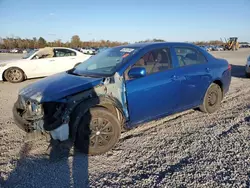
x=112 y=87
x=61 y=133
x=117 y=90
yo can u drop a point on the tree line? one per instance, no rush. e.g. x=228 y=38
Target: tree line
x=75 y=42
x=212 y=42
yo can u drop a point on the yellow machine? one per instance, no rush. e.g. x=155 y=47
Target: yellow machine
x=231 y=44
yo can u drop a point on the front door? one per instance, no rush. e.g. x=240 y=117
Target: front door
x=157 y=93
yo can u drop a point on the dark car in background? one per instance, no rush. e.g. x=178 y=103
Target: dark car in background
x=121 y=88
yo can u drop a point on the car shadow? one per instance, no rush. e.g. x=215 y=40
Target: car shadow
x=238 y=71
x=69 y=170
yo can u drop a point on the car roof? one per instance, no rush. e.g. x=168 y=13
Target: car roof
x=59 y=48
x=56 y=47
x=63 y=48
x=155 y=44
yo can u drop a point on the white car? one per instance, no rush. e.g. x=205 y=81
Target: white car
x=220 y=48
x=40 y=63
x=13 y=51
x=248 y=67
x=87 y=50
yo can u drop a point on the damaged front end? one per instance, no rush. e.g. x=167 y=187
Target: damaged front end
x=44 y=118
x=36 y=116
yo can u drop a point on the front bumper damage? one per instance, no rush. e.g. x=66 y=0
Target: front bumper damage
x=48 y=118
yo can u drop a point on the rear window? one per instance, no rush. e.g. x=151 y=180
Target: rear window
x=189 y=56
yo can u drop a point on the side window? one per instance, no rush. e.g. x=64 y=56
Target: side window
x=155 y=61
x=189 y=56
x=46 y=52
x=64 y=53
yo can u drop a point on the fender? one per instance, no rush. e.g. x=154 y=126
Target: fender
x=82 y=107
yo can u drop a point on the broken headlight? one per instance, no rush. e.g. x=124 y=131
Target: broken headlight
x=34 y=109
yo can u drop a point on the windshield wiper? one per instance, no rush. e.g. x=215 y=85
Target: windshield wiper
x=77 y=74
x=71 y=71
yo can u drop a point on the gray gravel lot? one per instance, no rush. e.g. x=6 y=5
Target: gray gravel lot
x=191 y=149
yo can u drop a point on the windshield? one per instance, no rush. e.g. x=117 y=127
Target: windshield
x=106 y=62
x=26 y=56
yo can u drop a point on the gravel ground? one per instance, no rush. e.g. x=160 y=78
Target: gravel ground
x=191 y=149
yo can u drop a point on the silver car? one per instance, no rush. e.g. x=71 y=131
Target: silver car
x=248 y=67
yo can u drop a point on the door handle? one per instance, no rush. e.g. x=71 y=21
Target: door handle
x=52 y=60
x=72 y=58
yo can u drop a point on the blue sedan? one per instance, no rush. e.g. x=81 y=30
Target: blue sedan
x=120 y=88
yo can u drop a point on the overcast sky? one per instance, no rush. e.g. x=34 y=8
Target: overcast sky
x=128 y=20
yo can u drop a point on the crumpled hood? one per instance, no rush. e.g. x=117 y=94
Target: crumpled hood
x=58 y=86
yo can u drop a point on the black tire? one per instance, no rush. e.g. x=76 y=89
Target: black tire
x=90 y=137
x=247 y=75
x=14 y=75
x=212 y=99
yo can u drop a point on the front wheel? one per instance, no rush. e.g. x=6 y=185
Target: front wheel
x=14 y=75
x=247 y=75
x=212 y=99
x=98 y=132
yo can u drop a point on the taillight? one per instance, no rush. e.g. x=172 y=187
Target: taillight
x=229 y=67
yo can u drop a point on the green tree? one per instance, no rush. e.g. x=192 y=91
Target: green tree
x=158 y=40
x=9 y=43
x=1 y=43
x=58 y=43
x=34 y=42
x=41 y=42
x=75 y=41
x=67 y=44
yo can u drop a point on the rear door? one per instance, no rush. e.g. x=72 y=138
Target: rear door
x=41 y=67
x=194 y=68
x=156 y=94
x=65 y=59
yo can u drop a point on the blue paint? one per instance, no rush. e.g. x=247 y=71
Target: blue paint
x=151 y=96
x=137 y=72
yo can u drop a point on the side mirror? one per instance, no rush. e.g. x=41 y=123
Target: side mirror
x=137 y=72
x=36 y=57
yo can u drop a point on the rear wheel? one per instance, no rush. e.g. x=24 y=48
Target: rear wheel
x=14 y=75
x=212 y=99
x=98 y=132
